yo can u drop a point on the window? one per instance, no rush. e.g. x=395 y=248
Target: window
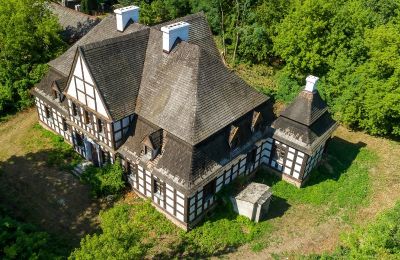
x=47 y=112
x=209 y=190
x=78 y=139
x=157 y=187
x=64 y=125
x=87 y=117
x=100 y=125
x=279 y=154
x=74 y=110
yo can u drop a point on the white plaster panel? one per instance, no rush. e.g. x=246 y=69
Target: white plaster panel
x=180 y=200
x=180 y=208
x=191 y=217
x=170 y=201
x=169 y=186
x=169 y=193
x=180 y=216
x=296 y=175
x=180 y=194
x=101 y=108
x=89 y=90
x=170 y=209
x=290 y=156
x=86 y=73
x=287 y=170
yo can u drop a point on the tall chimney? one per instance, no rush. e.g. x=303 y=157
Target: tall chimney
x=311 y=84
x=125 y=14
x=172 y=32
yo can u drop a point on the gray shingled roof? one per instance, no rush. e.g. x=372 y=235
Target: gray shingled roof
x=75 y=24
x=306 y=108
x=305 y=123
x=106 y=29
x=116 y=65
x=189 y=92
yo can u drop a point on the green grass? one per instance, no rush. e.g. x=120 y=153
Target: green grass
x=60 y=154
x=340 y=183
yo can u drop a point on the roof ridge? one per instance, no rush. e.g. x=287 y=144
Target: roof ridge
x=73 y=11
x=105 y=42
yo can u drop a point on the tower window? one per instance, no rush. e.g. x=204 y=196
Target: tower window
x=74 y=110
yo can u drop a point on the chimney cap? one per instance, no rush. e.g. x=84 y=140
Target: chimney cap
x=174 y=26
x=126 y=9
x=311 y=83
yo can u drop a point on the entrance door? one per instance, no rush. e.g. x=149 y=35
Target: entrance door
x=251 y=160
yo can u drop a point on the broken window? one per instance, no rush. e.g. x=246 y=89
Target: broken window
x=234 y=137
x=64 y=124
x=78 y=140
x=256 y=121
x=87 y=117
x=157 y=187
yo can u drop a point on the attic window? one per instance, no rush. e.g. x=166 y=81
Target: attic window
x=256 y=122
x=152 y=144
x=233 y=137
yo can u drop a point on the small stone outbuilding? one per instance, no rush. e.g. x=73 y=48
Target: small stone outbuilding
x=253 y=201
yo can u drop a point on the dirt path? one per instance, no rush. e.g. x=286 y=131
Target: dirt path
x=46 y=196
x=293 y=233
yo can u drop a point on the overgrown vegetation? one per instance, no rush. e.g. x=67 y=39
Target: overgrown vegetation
x=341 y=184
x=20 y=240
x=62 y=155
x=378 y=240
x=138 y=229
x=29 y=37
x=106 y=180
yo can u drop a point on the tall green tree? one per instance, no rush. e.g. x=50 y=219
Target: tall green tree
x=29 y=37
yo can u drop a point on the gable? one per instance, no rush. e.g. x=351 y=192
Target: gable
x=81 y=87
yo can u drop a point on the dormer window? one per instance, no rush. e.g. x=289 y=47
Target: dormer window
x=234 y=137
x=256 y=122
x=152 y=144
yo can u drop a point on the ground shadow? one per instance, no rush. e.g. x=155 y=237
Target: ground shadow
x=337 y=158
x=277 y=207
x=50 y=198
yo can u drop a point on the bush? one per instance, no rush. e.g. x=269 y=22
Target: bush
x=106 y=180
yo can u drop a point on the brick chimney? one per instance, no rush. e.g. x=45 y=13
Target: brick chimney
x=173 y=32
x=125 y=14
x=311 y=84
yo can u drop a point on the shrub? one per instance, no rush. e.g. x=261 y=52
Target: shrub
x=105 y=181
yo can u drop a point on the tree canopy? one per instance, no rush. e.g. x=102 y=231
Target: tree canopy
x=29 y=37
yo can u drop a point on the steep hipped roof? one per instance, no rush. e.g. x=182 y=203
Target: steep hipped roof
x=305 y=123
x=75 y=24
x=306 y=108
x=189 y=92
x=116 y=65
x=106 y=29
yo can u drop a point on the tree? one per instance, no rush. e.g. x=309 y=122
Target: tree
x=87 y=6
x=29 y=37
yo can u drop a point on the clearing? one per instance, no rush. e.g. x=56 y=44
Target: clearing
x=39 y=193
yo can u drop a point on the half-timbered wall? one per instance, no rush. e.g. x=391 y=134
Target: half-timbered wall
x=104 y=135
x=238 y=167
x=81 y=87
x=288 y=160
x=170 y=199
x=80 y=148
x=314 y=159
x=53 y=119
x=121 y=128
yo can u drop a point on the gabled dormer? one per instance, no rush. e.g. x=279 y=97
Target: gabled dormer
x=151 y=144
x=256 y=121
x=233 y=138
x=82 y=89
